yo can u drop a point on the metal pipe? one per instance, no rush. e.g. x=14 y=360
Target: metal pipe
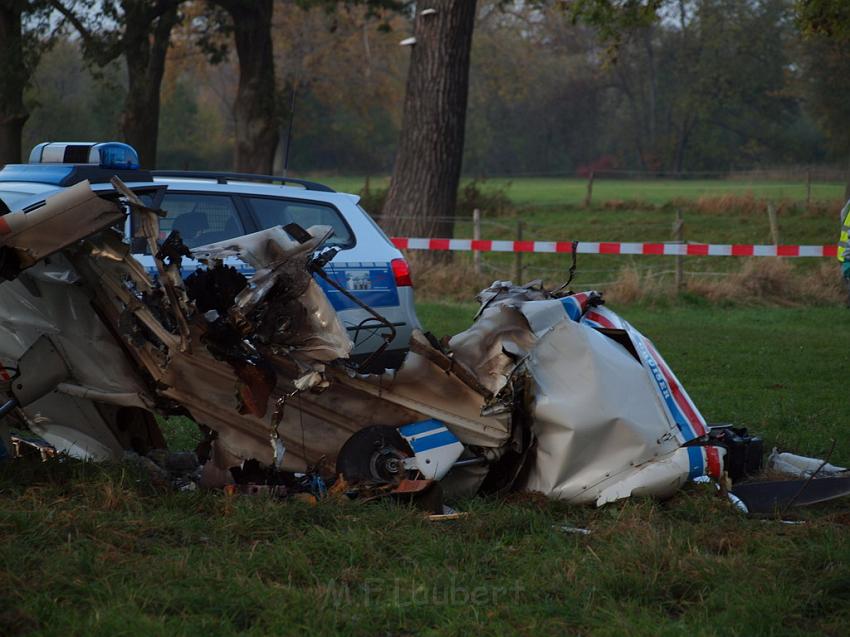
x=470 y=462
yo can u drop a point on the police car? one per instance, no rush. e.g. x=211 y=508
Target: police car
x=207 y=207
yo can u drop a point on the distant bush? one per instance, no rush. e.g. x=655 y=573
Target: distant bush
x=372 y=199
x=492 y=201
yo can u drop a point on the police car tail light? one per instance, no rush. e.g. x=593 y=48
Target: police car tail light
x=401 y=273
x=113 y=155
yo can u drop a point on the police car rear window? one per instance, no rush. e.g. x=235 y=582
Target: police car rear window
x=201 y=219
x=280 y=212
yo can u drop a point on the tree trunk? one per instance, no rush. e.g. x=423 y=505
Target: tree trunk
x=13 y=115
x=255 y=112
x=423 y=190
x=652 y=114
x=145 y=48
x=682 y=143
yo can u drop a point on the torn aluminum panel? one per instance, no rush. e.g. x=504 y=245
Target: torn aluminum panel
x=282 y=279
x=609 y=418
x=47 y=303
x=43 y=229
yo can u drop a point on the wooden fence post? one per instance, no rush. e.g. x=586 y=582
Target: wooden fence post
x=518 y=255
x=808 y=187
x=679 y=237
x=476 y=236
x=588 y=198
x=774 y=223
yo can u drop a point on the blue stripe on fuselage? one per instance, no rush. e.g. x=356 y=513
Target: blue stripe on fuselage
x=696 y=462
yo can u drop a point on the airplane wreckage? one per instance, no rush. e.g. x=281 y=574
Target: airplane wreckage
x=546 y=391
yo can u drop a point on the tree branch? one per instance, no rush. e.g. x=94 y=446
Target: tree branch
x=71 y=17
x=162 y=7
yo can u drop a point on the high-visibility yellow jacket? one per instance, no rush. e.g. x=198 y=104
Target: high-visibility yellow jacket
x=844 y=238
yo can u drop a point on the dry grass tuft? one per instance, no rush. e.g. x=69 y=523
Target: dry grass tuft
x=766 y=281
x=828 y=209
x=635 y=286
x=761 y=281
x=627 y=204
x=748 y=204
x=450 y=281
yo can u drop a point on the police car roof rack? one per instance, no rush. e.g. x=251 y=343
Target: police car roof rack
x=223 y=178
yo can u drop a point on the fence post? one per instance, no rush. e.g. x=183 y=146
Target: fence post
x=518 y=255
x=588 y=198
x=808 y=187
x=774 y=223
x=679 y=237
x=476 y=236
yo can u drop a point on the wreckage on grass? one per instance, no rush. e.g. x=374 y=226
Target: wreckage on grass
x=546 y=391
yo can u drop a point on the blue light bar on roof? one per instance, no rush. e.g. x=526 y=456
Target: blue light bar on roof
x=114 y=155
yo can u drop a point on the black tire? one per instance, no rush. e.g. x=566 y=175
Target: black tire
x=373 y=454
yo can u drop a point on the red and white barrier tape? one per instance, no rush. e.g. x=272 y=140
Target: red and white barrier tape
x=611 y=247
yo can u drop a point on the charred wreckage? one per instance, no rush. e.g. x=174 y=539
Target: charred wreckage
x=547 y=391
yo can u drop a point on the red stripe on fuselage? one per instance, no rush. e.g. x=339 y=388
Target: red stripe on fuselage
x=604 y=322
x=712 y=456
x=683 y=403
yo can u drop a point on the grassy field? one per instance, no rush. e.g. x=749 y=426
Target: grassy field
x=556 y=191
x=93 y=550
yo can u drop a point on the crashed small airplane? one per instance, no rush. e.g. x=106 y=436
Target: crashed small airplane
x=546 y=391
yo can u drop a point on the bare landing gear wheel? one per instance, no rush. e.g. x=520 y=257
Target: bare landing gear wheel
x=374 y=454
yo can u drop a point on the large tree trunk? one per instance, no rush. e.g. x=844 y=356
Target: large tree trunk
x=13 y=115
x=423 y=190
x=145 y=48
x=255 y=112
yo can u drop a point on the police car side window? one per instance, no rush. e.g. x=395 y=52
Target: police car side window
x=201 y=219
x=279 y=212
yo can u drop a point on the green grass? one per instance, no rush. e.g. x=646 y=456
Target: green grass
x=549 y=224
x=571 y=191
x=97 y=550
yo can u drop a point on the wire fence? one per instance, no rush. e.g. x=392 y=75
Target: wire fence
x=797 y=205
x=801 y=172
x=665 y=228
